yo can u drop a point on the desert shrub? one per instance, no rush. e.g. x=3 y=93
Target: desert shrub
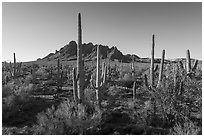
x=126 y=81
x=90 y=95
x=30 y=79
x=7 y=90
x=68 y=118
x=176 y=103
x=35 y=66
x=15 y=95
x=187 y=128
x=41 y=73
x=139 y=112
x=172 y=106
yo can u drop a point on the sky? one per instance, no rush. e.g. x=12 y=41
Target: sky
x=33 y=30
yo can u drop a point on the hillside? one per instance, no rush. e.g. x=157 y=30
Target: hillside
x=69 y=51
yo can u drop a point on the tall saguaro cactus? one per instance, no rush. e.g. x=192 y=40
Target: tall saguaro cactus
x=161 y=68
x=152 y=64
x=80 y=70
x=98 y=77
x=79 y=82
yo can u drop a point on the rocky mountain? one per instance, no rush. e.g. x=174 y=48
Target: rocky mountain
x=69 y=51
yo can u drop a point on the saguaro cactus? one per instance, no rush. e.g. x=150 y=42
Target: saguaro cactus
x=190 y=69
x=100 y=78
x=79 y=77
x=14 y=69
x=152 y=64
x=58 y=74
x=152 y=69
x=188 y=61
x=161 y=68
x=80 y=68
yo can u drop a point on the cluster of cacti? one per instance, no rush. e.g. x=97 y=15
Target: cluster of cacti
x=100 y=78
x=15 y=69
x=153 y=70
x=79 y=83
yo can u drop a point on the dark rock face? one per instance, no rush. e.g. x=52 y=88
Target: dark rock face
x=69 y=51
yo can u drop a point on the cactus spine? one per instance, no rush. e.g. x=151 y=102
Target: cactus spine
x=161 y=68
x=152 y=64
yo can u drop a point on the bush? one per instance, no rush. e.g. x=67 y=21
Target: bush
x=14 y=98
x=187 y=128
x=68 y=118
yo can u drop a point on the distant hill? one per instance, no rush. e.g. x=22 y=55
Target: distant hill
x=69 y=51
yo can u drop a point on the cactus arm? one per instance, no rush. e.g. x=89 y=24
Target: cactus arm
x=161 y=68
x=146 y=82
x=195 y=65
x=102 y=73
x=181 y=65
x=91 y=82
x=105 y=75
x=188 y=61
x=156 y=68
x=134 y=90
